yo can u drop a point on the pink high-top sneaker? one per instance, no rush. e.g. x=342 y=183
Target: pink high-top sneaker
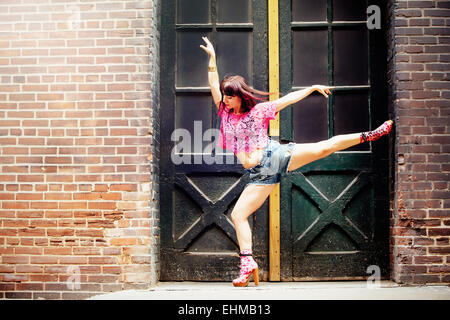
x=248 y=267
x=376 y=134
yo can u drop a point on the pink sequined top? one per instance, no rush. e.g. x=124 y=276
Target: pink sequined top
x=248 y=131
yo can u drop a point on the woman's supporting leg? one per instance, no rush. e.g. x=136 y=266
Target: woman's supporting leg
x=304 y=153
x=249 y=201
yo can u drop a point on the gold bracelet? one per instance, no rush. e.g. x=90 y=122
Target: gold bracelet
x=212 y=69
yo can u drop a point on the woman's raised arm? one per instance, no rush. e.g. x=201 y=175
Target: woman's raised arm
x=298 y=95
x=213 y=75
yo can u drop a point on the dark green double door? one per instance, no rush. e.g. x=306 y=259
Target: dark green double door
x=334 y=212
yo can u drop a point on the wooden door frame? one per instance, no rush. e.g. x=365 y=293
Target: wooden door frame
x=274 y=132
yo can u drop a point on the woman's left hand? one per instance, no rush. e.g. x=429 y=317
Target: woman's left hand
x=209 y=49
x=325 y=90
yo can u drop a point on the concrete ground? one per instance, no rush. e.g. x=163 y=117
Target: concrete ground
x=335 y=290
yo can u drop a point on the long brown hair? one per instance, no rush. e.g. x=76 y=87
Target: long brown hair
x=234 y=85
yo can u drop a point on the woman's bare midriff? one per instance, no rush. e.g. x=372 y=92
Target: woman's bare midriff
x=250 y=159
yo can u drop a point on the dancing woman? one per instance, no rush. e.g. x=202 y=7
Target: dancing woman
x=243 y=130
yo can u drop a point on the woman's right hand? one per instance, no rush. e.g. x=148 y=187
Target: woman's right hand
x=325 y=90
x=209 y=49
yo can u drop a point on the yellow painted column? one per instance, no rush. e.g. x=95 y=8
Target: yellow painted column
x=274 y=131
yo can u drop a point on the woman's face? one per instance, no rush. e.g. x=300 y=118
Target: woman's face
x=232 y=102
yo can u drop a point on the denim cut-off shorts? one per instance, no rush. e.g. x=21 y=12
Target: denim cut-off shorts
x=274 y=161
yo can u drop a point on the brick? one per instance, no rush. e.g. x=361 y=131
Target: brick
x=440 y=185
x=436 y=13
x=402 y=66
x=419 y=21
x=439 y=250
x=29 y=269
x=425 y=94
x=18 y=295
x=43 y=260
x=123 y=241
x=31 y=232
x=426 y=278
x=73 y=260
x=103 y=260
x=60 y=232
x=46 y=295
x=28 y=250
x=73 y=205
x=439 y=269
x=419 y=76
x=123 y=187
x=15 y=259
x=43 y=278
x=426 y=149
x=409 y=31
x=424 y=58
x=86 y=251
x=89 y=233
x=408 y=13
x=14 y=278
x=79 y=295
x=100 y=224
x=58 y=251
x=438 y=232
x=400 y=231
x=412 y=269
x=436 y=31
x=422 y=40
x=437 y=49
x=421 y=4
x=427 y=259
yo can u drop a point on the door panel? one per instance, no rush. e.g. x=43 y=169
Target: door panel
x=350 y=56
x=190 y=64
x=308 y=68
x=334 y=211
x=193 y=11
x=309 y=10
x=311 y=120
x=344 y=10
x=200 y=188
x=356 y=104
x=227 y=59
x=234 y=11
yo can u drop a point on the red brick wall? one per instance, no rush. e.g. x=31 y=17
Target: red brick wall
x=78 y=187
x=419 y=46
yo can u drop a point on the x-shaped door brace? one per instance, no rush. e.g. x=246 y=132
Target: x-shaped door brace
x=212 y=212
x=331 y=210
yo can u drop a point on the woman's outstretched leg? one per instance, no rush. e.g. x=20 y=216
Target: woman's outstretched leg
x=304 y=153
x=249 y=201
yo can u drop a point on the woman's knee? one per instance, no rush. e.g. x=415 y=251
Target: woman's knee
x=238 y=216
x=326 y=148
x=235 y=216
